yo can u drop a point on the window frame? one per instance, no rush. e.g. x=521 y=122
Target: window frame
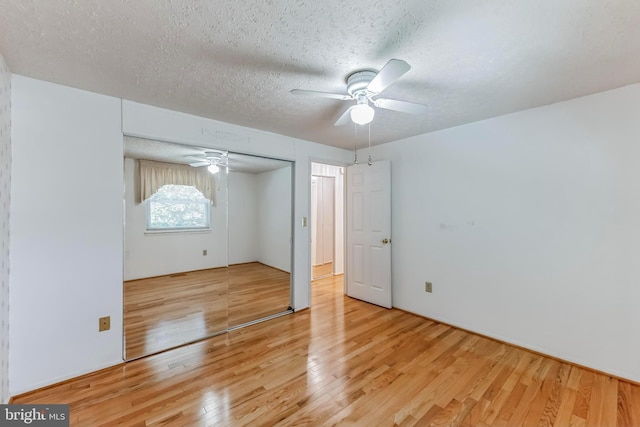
x=167 y=230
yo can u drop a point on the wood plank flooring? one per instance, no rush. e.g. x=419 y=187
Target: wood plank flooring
x=345 y=362
x=256 y=291
x=322 y=271
x=167 y=311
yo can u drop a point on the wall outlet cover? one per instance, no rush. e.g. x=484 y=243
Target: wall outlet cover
x=104 y=323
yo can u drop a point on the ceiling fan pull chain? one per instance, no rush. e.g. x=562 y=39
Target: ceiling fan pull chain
x=355 y=144
x=370 y=161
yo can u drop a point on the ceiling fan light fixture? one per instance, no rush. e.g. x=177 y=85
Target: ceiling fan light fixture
x=362 y=114
x=213 y=169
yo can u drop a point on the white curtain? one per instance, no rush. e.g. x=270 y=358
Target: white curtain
x=154 y=175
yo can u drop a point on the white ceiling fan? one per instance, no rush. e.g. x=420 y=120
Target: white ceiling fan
x=214 y=160
x=364 y=88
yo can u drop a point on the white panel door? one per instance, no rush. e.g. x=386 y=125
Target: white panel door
x=369 y=232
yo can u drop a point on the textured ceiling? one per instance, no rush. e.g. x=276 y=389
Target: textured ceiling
x=236 y=61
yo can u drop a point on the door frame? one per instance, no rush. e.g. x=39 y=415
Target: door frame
x=336 y=214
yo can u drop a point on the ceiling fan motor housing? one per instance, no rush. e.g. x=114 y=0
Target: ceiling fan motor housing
x=213 y=154
x=365 y=85
x=358 y=82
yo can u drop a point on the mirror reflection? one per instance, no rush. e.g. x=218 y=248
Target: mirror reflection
x=259 y=237
x=207 y=243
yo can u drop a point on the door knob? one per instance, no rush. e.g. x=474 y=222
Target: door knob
x=385 y=241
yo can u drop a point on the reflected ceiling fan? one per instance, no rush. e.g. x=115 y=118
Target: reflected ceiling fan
x=214 y=160
x=364 y=88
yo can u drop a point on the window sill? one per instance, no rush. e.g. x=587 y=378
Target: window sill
x=177 y=231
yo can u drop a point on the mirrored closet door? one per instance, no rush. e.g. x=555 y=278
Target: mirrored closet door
x=207 y=243
x=260 y=227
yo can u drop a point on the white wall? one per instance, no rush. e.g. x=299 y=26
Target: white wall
x=528 y=225
x=274 y=218
x=260 y=218
x=243 y=217
x=66 y=232
x=150 y=255
x=5 y=200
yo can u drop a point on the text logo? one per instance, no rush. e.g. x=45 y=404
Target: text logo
x=34 y=415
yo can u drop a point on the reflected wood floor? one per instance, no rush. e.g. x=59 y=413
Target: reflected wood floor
x=167 y=311
x=345 y=362
x=257 y=290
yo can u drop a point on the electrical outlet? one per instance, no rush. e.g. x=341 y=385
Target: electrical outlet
x=104 y=323
x=204 y=252
x=428 y=287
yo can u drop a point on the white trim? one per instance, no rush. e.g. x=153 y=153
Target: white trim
x=178 y=231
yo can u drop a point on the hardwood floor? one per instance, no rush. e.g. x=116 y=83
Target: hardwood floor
x=167 y=311
x=321 y=271
x=345 y=362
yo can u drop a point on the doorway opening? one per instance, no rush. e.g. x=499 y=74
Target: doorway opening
x=327 y=220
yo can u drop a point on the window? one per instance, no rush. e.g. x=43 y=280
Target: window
x=178 y=207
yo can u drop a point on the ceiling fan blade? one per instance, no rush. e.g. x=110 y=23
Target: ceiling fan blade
x=345 y=117
x=392 y=71
x=201 y=163
x=342 y=97
x=402 y=106
x=193 y=159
